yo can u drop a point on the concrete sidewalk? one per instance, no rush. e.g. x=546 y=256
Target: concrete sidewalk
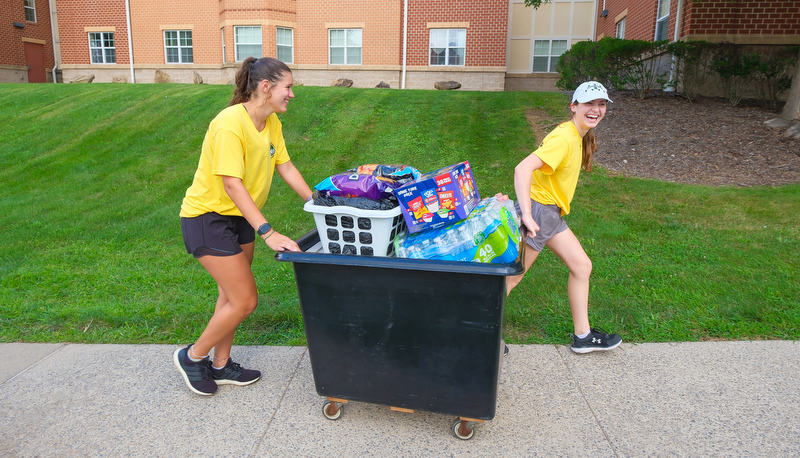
x=688 y=399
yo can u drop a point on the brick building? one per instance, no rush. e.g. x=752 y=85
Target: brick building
x=757 y=25
x=27 y=51
x=463 y=40
x=538 y=37
x=774 y=22
x=485 y=45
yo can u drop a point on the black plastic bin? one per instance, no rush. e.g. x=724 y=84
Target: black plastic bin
x=407 y=333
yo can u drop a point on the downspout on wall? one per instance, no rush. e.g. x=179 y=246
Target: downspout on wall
x=56 y=40
x=130 y=38
x=677 y=36
x=405 y=43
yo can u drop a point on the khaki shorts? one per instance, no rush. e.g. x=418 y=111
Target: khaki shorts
x=550 y=222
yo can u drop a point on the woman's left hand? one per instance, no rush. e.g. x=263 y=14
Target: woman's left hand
x=280 y=242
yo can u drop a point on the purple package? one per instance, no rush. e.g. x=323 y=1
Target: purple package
x=357 y=185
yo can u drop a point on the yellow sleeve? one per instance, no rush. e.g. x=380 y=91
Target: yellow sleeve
x=552 y=152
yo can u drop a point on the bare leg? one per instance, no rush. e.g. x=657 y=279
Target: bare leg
x=567 y=247
x=530 y=256
x=222 y=350
x=237 y=300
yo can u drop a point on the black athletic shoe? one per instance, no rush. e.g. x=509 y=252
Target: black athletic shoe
x=234 y=374
x=597 y=340
x=197 y=375
x=505 y=350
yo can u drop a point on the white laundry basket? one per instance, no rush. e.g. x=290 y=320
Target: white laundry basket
x=353 y=231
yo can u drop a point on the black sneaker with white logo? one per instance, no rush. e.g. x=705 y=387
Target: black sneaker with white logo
x=597 y=340
x=197 y=375
x=234 y=374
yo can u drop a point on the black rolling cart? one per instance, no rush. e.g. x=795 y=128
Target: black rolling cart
x=410 y=334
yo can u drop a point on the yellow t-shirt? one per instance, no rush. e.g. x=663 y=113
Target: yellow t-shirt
x=562 y=152
x=233 y=147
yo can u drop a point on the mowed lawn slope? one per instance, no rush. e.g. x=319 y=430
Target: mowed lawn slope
x=93 y=177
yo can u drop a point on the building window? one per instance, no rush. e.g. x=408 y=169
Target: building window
x=247 y=41
x=621 y=29
x=448 y=46
x=546 y=54
x=30 y=10
x=101 y=48
x=662 y=20
x=344 y=46
x=285 y=45
x=178 y=46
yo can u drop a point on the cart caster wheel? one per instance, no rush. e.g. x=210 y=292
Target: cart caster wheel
x=463 y=430
x=331 y=411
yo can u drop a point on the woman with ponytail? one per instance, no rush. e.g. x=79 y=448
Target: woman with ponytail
x=221 y=214
x=545 y=183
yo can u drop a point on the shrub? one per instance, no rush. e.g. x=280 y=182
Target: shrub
x=637 y=65
x=581 y=63
x=773 y=74
x=735 y=68
x=614 y=62
x=692 y=65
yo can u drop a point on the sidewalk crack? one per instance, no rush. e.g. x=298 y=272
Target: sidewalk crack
x=44 y=358
x=585 y=400
x=280 y=402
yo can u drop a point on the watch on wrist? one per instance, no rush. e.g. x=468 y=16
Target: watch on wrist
x=263 y=229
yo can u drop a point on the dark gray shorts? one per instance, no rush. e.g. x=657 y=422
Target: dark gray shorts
x=216 y=235
x=550 y=222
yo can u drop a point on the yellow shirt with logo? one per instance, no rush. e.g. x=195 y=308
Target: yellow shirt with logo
x=562 y=152
x=233 y=147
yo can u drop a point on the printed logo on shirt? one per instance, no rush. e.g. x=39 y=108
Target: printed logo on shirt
x=271 y=150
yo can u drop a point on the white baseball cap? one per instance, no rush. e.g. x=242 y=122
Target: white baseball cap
x=589 y=91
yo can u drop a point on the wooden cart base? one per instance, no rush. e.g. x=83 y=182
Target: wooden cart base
x=463 y=428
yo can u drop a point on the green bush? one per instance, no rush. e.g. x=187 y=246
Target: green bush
x=614 y=62
x=582 y=63
x=736 y=68
x=635 y=65
x=773 y=74
x=692 y=65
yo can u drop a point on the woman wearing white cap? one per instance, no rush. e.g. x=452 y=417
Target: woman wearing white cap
x=545 y=183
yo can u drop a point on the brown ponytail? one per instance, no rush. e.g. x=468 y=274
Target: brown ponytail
x=589 y=147
x=254 y=71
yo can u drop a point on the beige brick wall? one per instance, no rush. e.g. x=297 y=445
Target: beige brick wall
x=380 y=22
x=149 y=19
x=212 y=24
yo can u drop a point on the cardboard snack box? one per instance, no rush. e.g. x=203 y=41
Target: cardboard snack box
x=439 y=198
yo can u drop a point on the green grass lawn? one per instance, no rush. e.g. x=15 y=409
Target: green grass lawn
x=93 y=176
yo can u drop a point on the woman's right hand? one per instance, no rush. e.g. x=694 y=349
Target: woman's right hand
x=280 y=242
x=530 y=225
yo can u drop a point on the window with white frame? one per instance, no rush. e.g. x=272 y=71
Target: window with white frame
x=30 y=10
x=662 y=20
x=448 y=46
x=546 y=54
x=247 y=42
x=101 y=48
x=344 y=46
x=621 y=29
x=178 y=46
x=285 y=45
